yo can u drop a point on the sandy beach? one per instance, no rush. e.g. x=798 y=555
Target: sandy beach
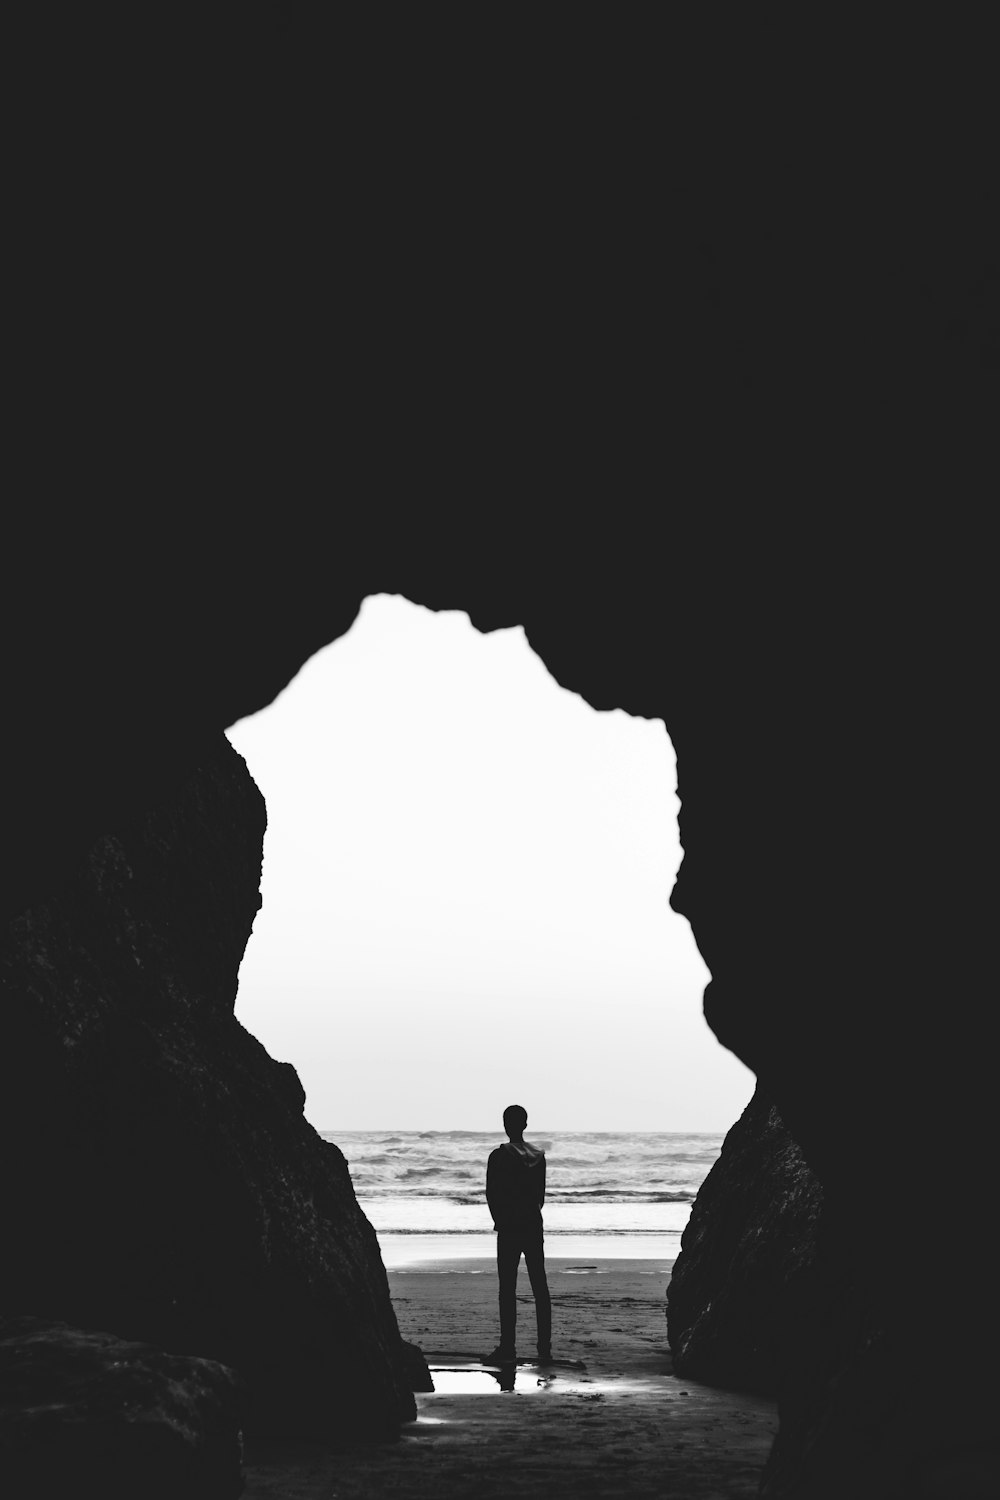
x=609 y=1418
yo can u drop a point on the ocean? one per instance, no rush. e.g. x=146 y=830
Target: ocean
x=608 y=1193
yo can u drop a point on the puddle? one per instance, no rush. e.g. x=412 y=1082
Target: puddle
x=525 y=1380
x=480 y=1382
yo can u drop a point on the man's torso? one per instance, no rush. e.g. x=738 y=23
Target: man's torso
x=515 y=1187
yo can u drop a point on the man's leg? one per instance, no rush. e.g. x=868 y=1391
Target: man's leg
x=534 y=1258
x=508 y=1260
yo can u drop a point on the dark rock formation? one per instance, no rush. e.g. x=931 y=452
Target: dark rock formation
x=735 y=1296
x=415 y=1364
x=165 y=1185
x=88 y=1414
x=768 y=1296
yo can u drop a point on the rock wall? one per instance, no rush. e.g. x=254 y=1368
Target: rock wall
x=738 y=1286
x=161 y=1182
x=83 y=1413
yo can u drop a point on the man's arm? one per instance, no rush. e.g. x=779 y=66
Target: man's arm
x=541 y=1186
x=491 y=1188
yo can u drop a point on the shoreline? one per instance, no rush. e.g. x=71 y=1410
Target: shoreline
x=609 y=1418
x=470 y=1254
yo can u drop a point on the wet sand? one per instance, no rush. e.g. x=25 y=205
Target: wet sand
x=609 y=1418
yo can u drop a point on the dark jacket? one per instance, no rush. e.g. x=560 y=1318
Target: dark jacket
x=515 y=1186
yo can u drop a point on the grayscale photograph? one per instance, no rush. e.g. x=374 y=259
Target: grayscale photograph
x=496 y=978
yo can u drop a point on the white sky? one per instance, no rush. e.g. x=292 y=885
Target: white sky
x=466 y=875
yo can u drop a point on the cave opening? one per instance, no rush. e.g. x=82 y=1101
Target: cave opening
x=465 y=890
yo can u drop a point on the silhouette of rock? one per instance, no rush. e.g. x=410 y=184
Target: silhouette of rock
x=416 y=1368
x=84 y=1413
x=167 y=1187
x=735 y=1294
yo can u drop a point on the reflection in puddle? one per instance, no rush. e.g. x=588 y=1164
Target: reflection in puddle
x=525 y=1380
x=478 y=1382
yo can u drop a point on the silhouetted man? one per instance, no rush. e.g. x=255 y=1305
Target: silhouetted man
x=515 y=1192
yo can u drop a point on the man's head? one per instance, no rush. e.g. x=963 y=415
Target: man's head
x=514 y=1120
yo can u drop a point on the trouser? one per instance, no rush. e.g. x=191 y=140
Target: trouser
x=526 y=1240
